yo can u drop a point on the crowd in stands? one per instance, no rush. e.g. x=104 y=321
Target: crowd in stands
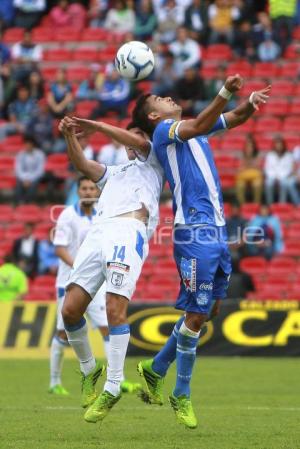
x=56 y=58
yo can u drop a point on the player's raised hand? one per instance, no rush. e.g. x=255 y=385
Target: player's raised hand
x=259 y=97
x=86 y=127
x=66 y=126
x=234 y=83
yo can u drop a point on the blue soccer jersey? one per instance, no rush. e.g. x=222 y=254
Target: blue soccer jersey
x=200 y=239
x=191 y=172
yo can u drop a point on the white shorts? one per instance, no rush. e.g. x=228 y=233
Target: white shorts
x=96 y=311
x=113 y=251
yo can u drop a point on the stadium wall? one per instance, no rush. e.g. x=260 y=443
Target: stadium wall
x=244 y=328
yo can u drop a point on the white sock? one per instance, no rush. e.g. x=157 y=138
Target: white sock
x=106 y=346
x=56 y=360
x=118 y=339
x=78 y=339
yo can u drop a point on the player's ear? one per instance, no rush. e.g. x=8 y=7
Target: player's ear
x=153 y=116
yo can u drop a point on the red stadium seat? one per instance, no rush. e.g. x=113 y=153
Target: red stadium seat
x=86 y=54
x=107 y=54
x=7 y=182
x=292 y=52
x=251 y=86
x=85 y=108
x=93 y=35
x=293 y=231
x=267 y=70
x=44 y=281
x=267 y=124
x=253 y=265
x=13 y=35
x=296 y=214
x=264 y=142
x=218 y=52
x=48 y=73
x=6 y=213
x=227 y=163
x=233 y=142
x=294 y=108
x=246 y=127
x=268 y=292
x=41 y=232
x=57 y=163
x=276 y=106
x=282 y=88
x=292 y=140
x=5 y=247
x=291 y=124
x=78 y=73
x=282 y=267
x=14 y=231
x=7 y=163
x=290 y=69
x=242 y=67
x=39 y=295
x=283 y=210
x=67 y=34
x=227 y=210
x=27 y=213
x=291 y=248
x=227 y=180
x=249 y=210
x=42 y=34
x=58 y=55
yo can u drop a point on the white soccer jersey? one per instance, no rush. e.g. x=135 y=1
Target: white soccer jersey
x=128 y=187
x=71 y=229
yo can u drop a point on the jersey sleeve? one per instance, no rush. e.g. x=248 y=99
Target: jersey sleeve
x=109 y=171
x=219 y=126
x=166 y=133
x=63 y=230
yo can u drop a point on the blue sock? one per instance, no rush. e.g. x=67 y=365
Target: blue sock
x=187 y=342
x=167 y=354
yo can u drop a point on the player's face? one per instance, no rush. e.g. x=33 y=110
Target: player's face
x=88 y=192
x=163 y=107
x=131 y=154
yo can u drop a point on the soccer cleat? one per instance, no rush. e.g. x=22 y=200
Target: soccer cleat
x=154 y=383
x=58 y=390
x=184 y=412
x=100 y=408
x=88 y=382
x=130 y=387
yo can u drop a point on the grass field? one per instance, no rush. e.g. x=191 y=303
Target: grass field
x=241 y=404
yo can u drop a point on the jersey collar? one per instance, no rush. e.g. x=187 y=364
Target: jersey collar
x=81 y=213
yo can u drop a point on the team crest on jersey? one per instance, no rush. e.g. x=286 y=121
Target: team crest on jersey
x=188 y=273
x=117 y=279
x=172 y=130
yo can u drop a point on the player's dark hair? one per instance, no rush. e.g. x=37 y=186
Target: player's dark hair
x=81 y=179
x=131 y=125
x=140 y=115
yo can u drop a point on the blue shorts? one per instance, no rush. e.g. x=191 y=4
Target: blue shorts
x=204 y=264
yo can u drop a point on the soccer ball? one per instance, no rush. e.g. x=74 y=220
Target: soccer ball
x=134 y=60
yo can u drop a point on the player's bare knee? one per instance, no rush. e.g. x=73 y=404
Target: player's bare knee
x=116 y=309
x=194 y=321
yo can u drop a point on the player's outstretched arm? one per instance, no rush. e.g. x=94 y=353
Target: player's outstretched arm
x=93 y=170
x=204 y=122
x=244 y=111
x=124 y=137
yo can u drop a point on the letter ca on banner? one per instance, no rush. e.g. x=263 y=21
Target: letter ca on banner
x=150 y=328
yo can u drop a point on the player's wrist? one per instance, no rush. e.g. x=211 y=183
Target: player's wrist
x=225 y=93
x=251 y=98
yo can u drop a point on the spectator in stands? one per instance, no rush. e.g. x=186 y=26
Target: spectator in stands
x=283 y=13
x=120 y=18
x=8 y=86
x=25 y=249
x=13 y=281
x=240 y=283
x=26 y=55
x=215 y=84
x=146 y=22
x=48 y=260
x=170 y=16
x=264 y=235
x=221 y=15
x=190 y=92
x=60 y=97
x=68 y=15
x=268 y=51
x=20 y=113
x=165 y=75
x=113 y=96
x=4 y=51
x=7 y=13
x=235 y=228
x=97 y=12
x=262 y=30
x=196 y=21
x=186 y=51
x=29 y=169
x=243 y=40
x=28 y=12
x=89 y=88
x=112 y=154
x=41 y=129
x=35 y=85
x=250 y=176
x=279 y=171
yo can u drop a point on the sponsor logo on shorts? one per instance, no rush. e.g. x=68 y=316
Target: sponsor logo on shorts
x=117 y=279
x=118 y=265
x=202 y=299
x=208 y=286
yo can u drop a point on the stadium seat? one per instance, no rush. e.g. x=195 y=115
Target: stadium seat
x=249 y=210
x=58 y=55
x=253 y=265
x=98 y=140
x=107 y=54
x=218 y=52
x=292 y=140
x=67 y=34
x=283 y=210
x=292 y=52
x=86 y=54
x=251 y=86
x=268 y=70
x=233 y=142
x=227 y=180
x=282 y=267
x=43 y=34
x=276 y=106
x=267 y=124
x=6 y=213
x=7 y=182
x=227 y=163
x=291 y=248
x=93 y=35
x=44 y=281
x=296 y=214
x=41 y=232
x=14 y=231
x=283 y=88
x=268 y=292
x=5 y=246
x=293 y=231
x=264 y=142
x=215 y=143
x=291 y=124
x=27 y=213
x=48 y=73
x=85 y=108
x=7 y=163
x=289 y=69
x=57 y=163
x=246 y=127
x=12 y=35
x=294 y=108
x=78 y=73
x=39 y=295
x=244 y=68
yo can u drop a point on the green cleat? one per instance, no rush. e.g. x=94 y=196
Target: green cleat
x=88 y=390
x=154 y=383
x=184 y=412
x=58 y=390
x=100 y=408
x=130 y=387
